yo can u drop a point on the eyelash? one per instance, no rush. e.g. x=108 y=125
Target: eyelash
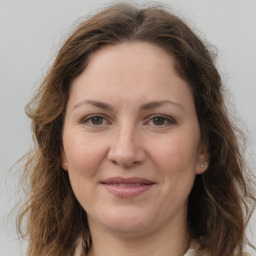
x=167 y=120
x=88 y=120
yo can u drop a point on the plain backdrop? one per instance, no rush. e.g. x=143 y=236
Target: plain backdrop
x=32 y=31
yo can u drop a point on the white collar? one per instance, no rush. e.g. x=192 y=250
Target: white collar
x=190 y=252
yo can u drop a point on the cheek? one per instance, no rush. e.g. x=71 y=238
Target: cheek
x=83 y=159
x=176 y=159
x=83 y=162
x=176 y=152
x=83 y=153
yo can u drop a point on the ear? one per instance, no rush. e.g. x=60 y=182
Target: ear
x=64 y=162
x=202 y=159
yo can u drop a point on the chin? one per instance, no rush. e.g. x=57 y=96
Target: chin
x=126 y=222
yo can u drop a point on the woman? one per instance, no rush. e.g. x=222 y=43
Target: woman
x=135 y=153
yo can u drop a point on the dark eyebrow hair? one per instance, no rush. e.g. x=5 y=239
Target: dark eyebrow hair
x=147 y=106
x=155 y=104
x=98 y=104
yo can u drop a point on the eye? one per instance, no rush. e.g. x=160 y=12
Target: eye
x=160 y=120
x=95 y=121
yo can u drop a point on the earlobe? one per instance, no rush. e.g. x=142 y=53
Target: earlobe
x=64 y=163
x=202 y=161
x=202 y=168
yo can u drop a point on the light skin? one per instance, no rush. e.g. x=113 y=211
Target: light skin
x=129 y=114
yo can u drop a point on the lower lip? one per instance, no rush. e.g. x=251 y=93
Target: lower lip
x=126 y=191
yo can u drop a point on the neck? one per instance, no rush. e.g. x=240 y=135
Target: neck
x=170 y=241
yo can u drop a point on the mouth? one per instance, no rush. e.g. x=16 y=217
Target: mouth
x=127 y=187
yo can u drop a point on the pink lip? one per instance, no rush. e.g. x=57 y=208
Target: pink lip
x=127 y=187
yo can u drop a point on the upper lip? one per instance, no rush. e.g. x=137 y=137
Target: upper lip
x=131 y=180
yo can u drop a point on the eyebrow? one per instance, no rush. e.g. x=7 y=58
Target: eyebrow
x=97 y=104
x=155 y=104
x=147 y=106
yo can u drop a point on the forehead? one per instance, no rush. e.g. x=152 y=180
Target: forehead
x=130 y=70
x=131 y=54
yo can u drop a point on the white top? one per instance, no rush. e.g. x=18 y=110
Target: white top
x=190 y=252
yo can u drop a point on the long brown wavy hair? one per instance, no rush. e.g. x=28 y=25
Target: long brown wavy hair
x=220 y=201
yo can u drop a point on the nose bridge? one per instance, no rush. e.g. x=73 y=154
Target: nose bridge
x=126 y=148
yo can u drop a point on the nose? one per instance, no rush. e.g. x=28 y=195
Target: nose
x=126 y=148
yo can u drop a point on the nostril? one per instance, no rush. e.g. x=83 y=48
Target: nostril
x=124 y=164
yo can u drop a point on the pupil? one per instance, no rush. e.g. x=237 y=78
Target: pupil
x=97 y=120
x=158 y=120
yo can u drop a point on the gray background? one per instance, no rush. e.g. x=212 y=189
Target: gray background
x=32 y=31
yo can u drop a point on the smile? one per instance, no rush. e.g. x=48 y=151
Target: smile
x=127 y=187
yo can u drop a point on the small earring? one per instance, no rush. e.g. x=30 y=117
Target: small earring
x=202 y=165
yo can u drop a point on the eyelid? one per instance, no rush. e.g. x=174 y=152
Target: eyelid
x=85 y=119
x=167 y=118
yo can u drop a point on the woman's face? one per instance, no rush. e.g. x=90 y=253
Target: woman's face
x=131 y=140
